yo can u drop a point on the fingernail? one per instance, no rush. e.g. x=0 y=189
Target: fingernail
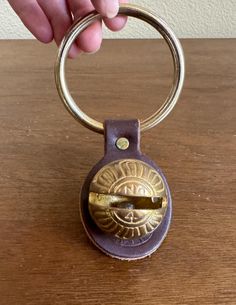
x=112 y=8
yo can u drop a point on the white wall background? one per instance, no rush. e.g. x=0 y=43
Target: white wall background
x=189 y=19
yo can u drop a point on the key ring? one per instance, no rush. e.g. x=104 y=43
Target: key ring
x=125 y=201
x=173 y=44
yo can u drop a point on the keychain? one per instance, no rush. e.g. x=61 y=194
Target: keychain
x=125 y=201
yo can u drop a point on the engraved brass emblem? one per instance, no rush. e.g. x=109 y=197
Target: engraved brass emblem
x=128 y=199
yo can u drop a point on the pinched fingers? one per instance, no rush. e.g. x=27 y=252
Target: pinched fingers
x=90 y=39
x=51 y=19
x=109 y=10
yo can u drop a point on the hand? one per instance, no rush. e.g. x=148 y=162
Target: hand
x=50 y=19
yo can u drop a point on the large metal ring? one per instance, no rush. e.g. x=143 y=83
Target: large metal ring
x=161 y=27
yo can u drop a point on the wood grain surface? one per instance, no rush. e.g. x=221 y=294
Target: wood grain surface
x=45 y=256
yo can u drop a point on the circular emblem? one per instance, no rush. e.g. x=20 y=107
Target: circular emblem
x=132 y=179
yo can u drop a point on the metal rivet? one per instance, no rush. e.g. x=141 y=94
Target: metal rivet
x=122 y=143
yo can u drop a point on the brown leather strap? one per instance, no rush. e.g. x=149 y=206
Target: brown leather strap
x=115 y=129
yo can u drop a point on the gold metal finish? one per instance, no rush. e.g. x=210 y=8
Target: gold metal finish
x=122 y=143
x=128 y=199
x=125 y=202
x=161 y=27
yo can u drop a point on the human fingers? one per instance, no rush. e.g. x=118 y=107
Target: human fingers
x=91 y=38
x=107 y=8
x=60 y=18
x=33 y=18
x=117 y=23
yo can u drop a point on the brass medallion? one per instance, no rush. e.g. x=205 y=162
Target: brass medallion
x=127 y=199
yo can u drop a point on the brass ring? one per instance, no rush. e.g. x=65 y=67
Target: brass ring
x=161 y=27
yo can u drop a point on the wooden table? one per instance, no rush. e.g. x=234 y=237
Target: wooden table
x=46 y=257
